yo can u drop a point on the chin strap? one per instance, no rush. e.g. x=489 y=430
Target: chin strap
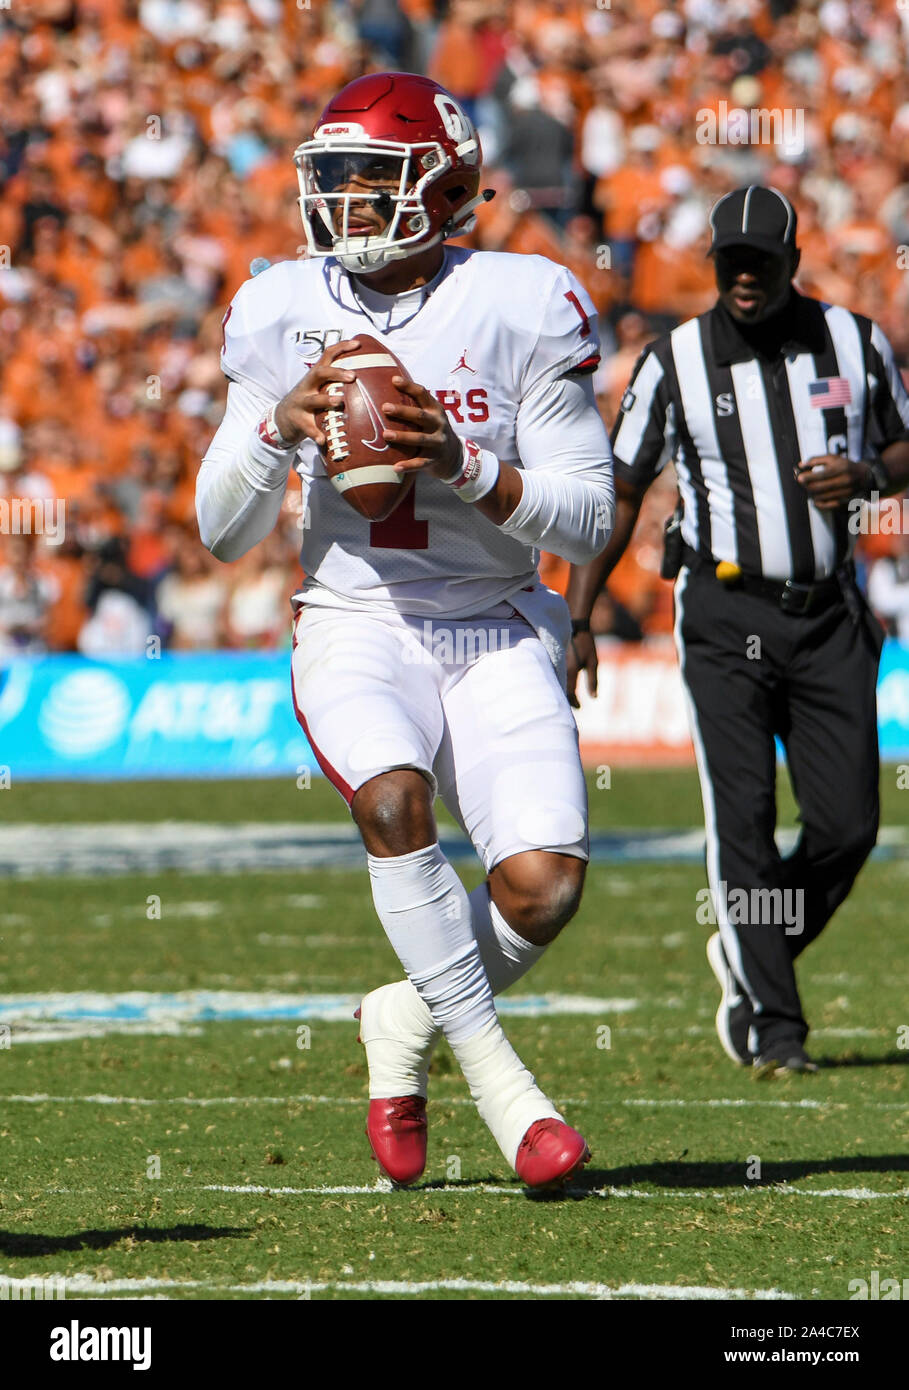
x=375 y=260
x=466 y=219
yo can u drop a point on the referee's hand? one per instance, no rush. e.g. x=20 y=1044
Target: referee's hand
x=831 y=480
x=581 y=656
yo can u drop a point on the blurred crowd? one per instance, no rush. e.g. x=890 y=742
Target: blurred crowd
x=145 y=163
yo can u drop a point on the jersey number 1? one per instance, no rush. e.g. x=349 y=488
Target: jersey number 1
x=573 y=299
x=401 y=530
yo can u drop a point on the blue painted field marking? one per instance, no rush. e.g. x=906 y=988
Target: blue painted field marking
x=194 y=1006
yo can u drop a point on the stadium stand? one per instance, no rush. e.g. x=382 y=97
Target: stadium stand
x=145 y=162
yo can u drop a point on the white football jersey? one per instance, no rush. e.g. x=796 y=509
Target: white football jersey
x=489 y=328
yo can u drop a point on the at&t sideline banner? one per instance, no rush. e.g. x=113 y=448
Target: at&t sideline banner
x=229 y=714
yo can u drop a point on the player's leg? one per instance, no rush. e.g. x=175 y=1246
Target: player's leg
x=422 y=906
x=832 y=747
x=509 y=771
x=543 y=893
x=426 y=915
x=367 y=705
x=396 y=1026
x=399 y=1034
x=374 y=721
x=419 y=899
x=510 y=768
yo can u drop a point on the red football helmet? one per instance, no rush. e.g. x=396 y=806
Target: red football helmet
x=401 y=149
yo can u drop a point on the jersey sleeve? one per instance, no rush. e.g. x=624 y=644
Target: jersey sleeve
x=567 y=501
x=644 y=435
x=240 y=486
x=568 y=340
x=244 y=347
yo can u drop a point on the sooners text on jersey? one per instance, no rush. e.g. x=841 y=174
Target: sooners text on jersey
x=493 y=327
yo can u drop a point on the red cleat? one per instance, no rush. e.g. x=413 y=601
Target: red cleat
x=550 y=1153
x=396 y=1130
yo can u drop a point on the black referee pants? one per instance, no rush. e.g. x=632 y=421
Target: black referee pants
x=753 y=671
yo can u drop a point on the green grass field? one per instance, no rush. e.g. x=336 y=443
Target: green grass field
x=225 y=1160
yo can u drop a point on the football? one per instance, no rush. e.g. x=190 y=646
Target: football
x=358 y=459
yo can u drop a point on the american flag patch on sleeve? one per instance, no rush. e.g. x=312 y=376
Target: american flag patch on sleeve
x=829 y=391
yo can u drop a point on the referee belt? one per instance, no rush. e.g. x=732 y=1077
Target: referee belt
x=797 y=599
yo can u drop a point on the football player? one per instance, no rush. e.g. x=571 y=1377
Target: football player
x=428 y=658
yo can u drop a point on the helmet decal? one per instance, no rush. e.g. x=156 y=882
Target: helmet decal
x=453 y=118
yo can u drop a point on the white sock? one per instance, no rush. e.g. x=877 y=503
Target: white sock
x=398 y=1031
x=506 y=954
x=506 y=1094
x=424 y=909
x=397 y=1024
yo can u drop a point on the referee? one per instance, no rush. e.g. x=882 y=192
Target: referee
x=778 y=410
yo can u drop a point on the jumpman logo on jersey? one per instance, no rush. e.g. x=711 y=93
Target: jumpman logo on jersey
x=461 y=365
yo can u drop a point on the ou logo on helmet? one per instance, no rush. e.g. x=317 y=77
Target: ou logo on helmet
x=456 y=124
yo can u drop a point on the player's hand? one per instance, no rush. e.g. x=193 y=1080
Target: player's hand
x=423 y=427
x=581 y=656
x=295 y=414
x=831 y=480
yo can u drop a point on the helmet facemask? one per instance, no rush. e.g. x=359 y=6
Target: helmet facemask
x=389 y=178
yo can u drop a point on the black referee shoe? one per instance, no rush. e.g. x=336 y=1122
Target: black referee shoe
x=787 y=1055
x=735 y=1015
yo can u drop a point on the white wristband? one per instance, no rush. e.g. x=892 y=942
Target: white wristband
x=479 y=473
x=269 y=433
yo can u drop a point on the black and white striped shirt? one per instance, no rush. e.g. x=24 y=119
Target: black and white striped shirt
x=737 y=421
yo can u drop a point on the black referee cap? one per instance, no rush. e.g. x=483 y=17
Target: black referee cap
x=754 y=216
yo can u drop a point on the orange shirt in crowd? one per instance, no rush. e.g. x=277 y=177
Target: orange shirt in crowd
x=81 y=345
x=625 y=196
x=667 y=280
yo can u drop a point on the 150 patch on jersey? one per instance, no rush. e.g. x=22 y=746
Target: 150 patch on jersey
x=312 y=343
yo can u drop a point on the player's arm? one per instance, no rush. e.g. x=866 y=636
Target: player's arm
x=241 y=484
x=639 y=442
x=561 y=499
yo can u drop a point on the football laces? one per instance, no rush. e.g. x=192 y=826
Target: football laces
x=334 y=425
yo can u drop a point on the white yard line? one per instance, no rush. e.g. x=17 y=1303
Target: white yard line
x=43 y=1098
x=860 y=1194
x=80 y=1284
x=734 y=1101
x=382 y=1186
x=850 y=1033
x=62 y=1030
x=856 y=1194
